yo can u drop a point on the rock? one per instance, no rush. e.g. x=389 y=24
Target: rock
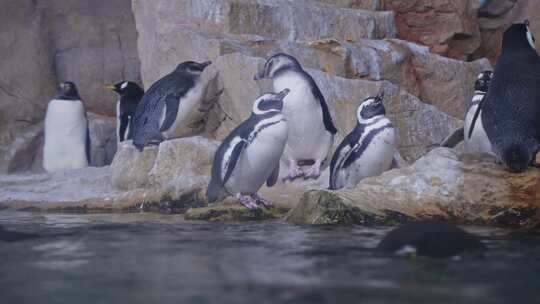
x=46 y=42
x=26 y=82
x=163 y=27
x=228 y=213
x=497 y=16
x=442 y=185
x=371 y=5
x=448 y=27
x=170 y=178
x=130 y=167
x=103 y=139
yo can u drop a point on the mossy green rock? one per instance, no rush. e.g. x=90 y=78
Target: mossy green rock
x=224 y=213
x=324 y=207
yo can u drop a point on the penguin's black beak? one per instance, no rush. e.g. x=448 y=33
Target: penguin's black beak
x=205 y=64
x=380 y=97
x=281 y=95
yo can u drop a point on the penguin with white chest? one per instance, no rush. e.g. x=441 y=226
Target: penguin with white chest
x=250 y=155
x=475 y=138
x=311 y=129
x=67 y=139
x=368 y=150
x=510 y=111
x=130 y=94
x=167 y=104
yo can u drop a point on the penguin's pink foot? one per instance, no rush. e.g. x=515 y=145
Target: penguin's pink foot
x=261 y=200
x=314 y=171
x=247 y=201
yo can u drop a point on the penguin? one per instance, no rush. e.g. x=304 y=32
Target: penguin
x=251 y=153
x=475 y=139
x=130 y=94
x=67 y=138
x=510 y=111
x=431 y=239
x=311 y=129
x=167 y=104
x=368 y=150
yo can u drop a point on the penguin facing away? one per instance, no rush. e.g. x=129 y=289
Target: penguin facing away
x=250 y=155
x=511 y=109
x=167 y=104
x=67 y=138
x=368 y=150
x=311 y=129
x=130 y=94
x=475 y=137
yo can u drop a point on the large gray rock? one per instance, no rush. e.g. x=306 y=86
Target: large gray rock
x=44 y=42
x=442 y=185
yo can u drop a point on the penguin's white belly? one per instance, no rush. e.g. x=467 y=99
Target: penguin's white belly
x=185 y=109
x=308 y=137
x=376 y=159
x=118 y=123
x=478 y=142
x=65 y=136
x=258 y=160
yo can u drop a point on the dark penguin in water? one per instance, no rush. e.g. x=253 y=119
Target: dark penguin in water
x=130 y=94
x=167 y=104
x=67 y=137
x=368 y=150
x=431 y=239
x=311 y=129
x=250 y=155
x=511 y=110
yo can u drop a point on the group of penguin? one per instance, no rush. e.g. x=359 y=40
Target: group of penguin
x=294 y=120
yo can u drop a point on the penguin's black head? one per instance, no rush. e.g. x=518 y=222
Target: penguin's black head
x=126 y=88
x=192 y=67
x=517 y=157
x=269 y=102
x=278 y=62
x=483 y=81
x=518 y=37
x=68 y=91
x=371 y=107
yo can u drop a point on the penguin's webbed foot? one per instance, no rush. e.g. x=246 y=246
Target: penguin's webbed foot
x=261 y=200
x=314 y=172
x=294 y=172
x=247 y=201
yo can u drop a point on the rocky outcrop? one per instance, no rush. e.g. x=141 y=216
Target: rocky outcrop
x=45 y=42
x=442 y=185
x=496 y=16
x=448 y=27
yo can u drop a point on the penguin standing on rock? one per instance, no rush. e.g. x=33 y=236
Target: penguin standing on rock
x=167 y=104
x=511 y=108
x=368 y=150
x=67 y=139
x=130 y=94
x=250 y=155
x=476 y=140
x=311 y=129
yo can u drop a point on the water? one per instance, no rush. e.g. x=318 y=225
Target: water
x=149 y=258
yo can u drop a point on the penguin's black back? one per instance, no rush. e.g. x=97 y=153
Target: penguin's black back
x=511 y=109
x=148 y=112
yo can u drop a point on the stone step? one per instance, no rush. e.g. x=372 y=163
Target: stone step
x=277 y=19
x=371 y=5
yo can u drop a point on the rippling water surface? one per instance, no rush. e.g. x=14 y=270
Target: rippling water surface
x=148 y=258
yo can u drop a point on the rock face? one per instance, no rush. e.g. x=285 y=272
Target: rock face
x=441 y=185
x=46 y=42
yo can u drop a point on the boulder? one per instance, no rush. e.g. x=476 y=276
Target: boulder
x=448 y=27
x=443 y=185
x=371 y=5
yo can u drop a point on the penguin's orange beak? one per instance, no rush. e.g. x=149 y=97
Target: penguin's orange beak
x=110 y=87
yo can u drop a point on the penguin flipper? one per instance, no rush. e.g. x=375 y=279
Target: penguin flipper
x=235 y=156
x=172 y=104
x=273 y=178
x=215 y=191
x=475 y=117
x=454 y=139
x=88 y=144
